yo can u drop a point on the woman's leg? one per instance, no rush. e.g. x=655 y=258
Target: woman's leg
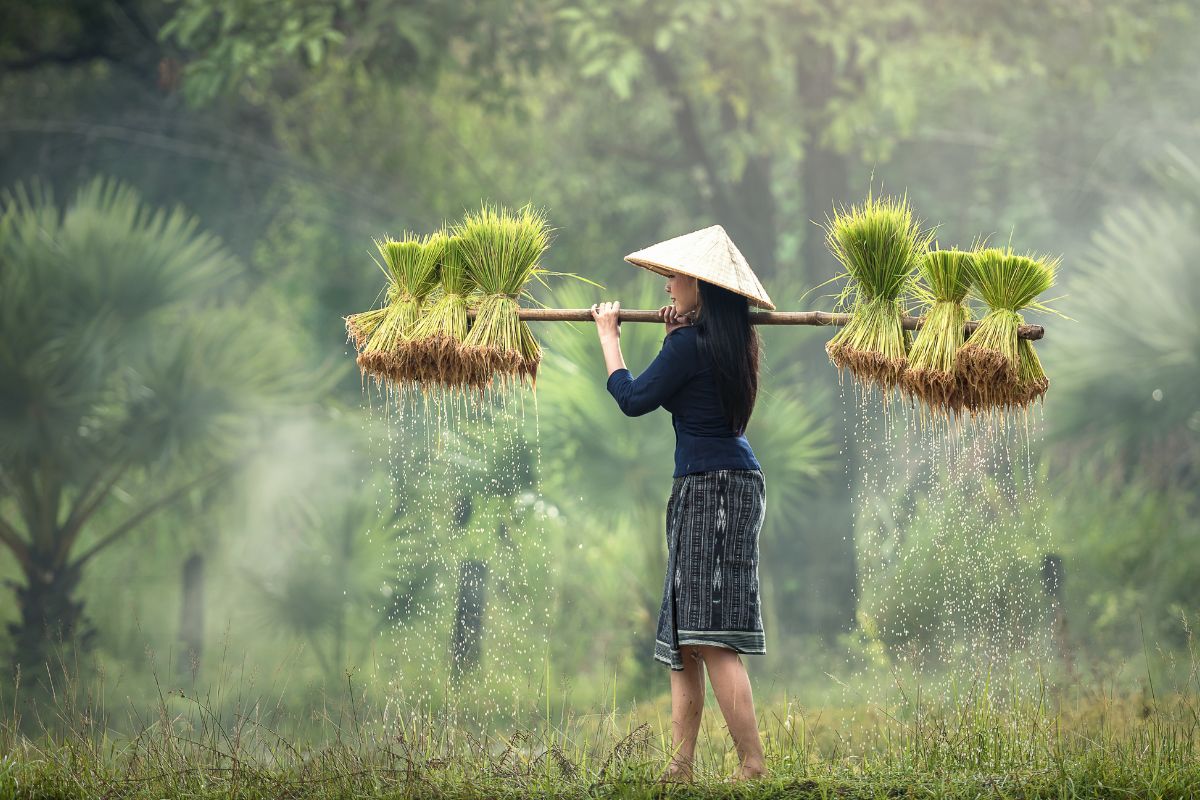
x=687 y=703
x=731 y=685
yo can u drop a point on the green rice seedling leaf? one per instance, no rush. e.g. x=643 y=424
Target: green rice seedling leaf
x=541 y=273
x=501 y=250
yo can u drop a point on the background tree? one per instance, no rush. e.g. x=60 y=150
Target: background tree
x=1130 y=392
x=125 y=385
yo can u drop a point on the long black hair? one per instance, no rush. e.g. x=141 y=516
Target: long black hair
x=731 y=345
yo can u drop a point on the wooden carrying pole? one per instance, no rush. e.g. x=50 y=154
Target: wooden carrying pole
x=1032 y=332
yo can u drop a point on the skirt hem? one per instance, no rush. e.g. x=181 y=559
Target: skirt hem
x=668 y=655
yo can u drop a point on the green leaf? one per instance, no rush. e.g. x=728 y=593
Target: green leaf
x=315 y=50
x=594 y=67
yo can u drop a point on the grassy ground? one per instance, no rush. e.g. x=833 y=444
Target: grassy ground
x=1053 y=744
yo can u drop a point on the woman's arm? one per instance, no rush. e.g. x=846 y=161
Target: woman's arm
x=665 y=375
x=608 y=326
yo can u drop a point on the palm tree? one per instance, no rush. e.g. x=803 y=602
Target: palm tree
x=124 y=385
x=1128 y=369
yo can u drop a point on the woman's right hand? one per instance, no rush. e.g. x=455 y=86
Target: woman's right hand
x=672 y=319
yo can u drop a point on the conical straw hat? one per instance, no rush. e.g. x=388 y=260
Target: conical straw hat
x=708 y=254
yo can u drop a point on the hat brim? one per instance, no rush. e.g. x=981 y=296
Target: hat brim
x=669 y=269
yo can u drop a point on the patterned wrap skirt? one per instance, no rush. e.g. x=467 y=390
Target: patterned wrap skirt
x=710 y=592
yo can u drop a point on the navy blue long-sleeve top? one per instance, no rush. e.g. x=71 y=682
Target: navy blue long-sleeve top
x=680 y=381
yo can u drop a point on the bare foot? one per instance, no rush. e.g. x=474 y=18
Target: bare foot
x=676 y=774
x=749 y=772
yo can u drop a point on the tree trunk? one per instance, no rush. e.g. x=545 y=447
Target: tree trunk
x=825 y=173
x=49 y=617
x=748 y=206
x=466 y=644
x=826 y=181
x=1053 y=585
x=752 y=220
x=191 y=616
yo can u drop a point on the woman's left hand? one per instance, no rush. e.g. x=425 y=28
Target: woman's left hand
x=607 y=321
x=672 y=319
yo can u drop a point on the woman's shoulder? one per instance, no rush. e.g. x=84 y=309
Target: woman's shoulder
x=682 y=341
x=684 y=347
x=685 y=333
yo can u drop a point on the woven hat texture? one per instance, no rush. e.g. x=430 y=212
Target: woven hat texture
x=708 y=254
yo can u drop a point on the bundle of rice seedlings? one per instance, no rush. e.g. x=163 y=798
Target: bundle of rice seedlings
x=991 y=362
x=500 y=252
x=930 y=374
x=1032 y=382
x=359 y=327
x=437 y=338
x=879 y=243
x=411 y=265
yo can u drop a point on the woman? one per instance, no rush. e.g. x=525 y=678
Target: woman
x=706 y=375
